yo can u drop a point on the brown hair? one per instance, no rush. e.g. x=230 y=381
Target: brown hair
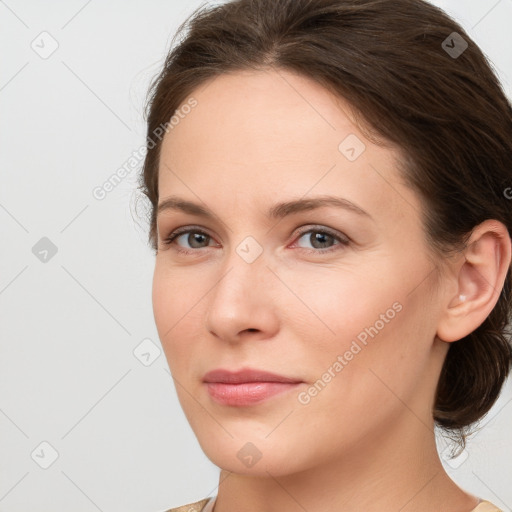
x=416 y=85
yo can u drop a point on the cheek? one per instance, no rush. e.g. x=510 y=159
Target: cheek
x=337 y=304
x=164 y=300
x=176 y=294
x=176 y=309
x=358 y=321
x=375 y=360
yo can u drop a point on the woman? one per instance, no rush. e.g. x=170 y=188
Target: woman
x=331 y=214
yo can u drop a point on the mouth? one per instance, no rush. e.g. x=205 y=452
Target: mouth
x=247 y=386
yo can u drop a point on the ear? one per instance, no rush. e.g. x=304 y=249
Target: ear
x=480 y=275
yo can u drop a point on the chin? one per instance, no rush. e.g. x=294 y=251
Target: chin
x=249 y=455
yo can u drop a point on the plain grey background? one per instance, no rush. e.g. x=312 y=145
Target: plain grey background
x=89 y=418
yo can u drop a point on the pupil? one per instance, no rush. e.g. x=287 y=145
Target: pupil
x=194 y=238
x=320 y=237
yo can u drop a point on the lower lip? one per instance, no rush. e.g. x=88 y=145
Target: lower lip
x=246 y=393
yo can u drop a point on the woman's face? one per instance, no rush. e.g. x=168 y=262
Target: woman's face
x=337 y=298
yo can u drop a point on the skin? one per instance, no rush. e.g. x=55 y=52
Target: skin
x=366 y=440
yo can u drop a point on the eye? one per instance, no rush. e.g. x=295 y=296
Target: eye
x=319 y=237
x=194 y=237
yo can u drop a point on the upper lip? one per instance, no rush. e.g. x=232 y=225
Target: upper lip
x=245 y=375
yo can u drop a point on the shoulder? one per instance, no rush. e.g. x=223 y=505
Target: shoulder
x=197 y=506
x=486 y=506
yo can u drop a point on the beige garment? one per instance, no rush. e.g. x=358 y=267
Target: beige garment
x=486 y=506
x=198 y=506
x=206 y=505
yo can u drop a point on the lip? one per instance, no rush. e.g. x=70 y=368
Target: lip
x=246 y=386
x=245 y=375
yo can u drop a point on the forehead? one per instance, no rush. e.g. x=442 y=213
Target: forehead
x=272 y=135
x=262 y=116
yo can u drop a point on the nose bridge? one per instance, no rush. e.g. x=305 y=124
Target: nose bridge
x=239 y=299
x=240 y=277
x=244 y=266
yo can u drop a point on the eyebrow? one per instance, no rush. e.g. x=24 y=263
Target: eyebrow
x=277 y=211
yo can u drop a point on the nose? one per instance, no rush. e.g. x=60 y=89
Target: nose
x=242 y=303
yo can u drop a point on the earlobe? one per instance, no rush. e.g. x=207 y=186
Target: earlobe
x=480 y=279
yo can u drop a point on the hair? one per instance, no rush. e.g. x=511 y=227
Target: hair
x=446 y=112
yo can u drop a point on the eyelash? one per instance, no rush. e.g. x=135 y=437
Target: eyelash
x=343 y=240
